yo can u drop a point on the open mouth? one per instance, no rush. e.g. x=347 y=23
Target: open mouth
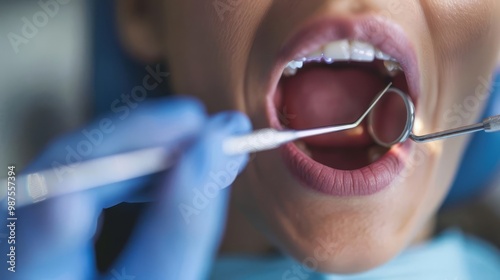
x=331 y=80
x=335 y=85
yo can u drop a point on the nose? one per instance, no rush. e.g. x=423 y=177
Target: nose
x=350 y=7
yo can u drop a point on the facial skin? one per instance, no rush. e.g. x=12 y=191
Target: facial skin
x=226 y=58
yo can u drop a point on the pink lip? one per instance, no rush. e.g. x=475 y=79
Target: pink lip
x=389 y=38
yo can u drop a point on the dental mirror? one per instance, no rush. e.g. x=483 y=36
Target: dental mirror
x=391 y=121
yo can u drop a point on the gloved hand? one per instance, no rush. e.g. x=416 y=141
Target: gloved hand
x=177 y=235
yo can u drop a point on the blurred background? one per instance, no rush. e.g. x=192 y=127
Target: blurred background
x=61 y=65
x=45 y=79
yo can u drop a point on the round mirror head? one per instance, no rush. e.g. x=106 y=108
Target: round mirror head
x=391 y=120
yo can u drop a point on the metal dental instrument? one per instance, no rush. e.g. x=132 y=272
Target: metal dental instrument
x=270 y=138
x=38 y=186
x=491 y=124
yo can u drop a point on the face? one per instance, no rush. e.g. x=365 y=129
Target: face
x=339 y=203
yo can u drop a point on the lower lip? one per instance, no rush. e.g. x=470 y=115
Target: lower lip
x=361 y=182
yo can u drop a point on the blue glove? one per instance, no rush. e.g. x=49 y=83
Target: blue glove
x=176 y=236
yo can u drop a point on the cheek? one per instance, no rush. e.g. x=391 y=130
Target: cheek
x=461 y=26
x=207 y=45
x=465 y=36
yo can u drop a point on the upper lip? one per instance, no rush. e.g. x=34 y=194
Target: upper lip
x=383 y=34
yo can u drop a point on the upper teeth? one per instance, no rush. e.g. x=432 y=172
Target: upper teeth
x=343 y=50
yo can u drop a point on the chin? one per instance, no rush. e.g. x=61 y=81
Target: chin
x=347 y=253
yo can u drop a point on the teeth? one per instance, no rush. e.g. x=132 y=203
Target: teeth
x=362 y=51
x=289 y=71
x=393 y=67
x=328 y=60
x=299 y=64
x=296 y=64
x=344 y=50
x=338 y=51
x=291 y=68
x=381 y=55
x=315 y=56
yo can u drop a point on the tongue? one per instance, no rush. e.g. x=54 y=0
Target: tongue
x=322 y=96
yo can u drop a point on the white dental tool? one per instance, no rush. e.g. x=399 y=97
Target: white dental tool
x=35 y=187
x=270 y=138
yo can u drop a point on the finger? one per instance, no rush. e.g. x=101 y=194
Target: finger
x=54 y=240
x=179 y=233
